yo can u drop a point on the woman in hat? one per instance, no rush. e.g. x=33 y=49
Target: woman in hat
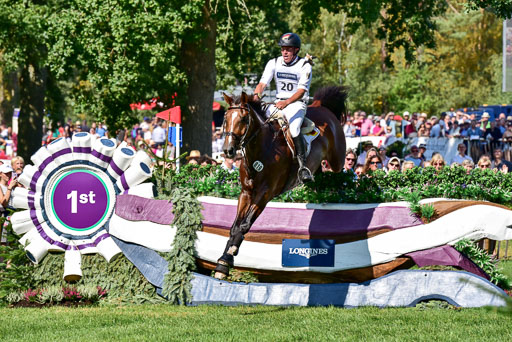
x=393 y=164
x=6 y=187
x=194 y=157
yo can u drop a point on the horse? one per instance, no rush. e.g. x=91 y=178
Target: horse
x=268 y=167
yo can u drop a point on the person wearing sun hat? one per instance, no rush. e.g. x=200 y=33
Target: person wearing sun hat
x=393 y=164
x=6 y=187
x=362 y=157
x=484 y=121
x=193 y=157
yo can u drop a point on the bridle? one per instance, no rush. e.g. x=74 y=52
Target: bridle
x=246 y=119
x=242 y=142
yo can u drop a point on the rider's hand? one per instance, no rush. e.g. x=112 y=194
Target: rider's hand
x=281 y=104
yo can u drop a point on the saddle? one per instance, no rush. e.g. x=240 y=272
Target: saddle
x=308 y=129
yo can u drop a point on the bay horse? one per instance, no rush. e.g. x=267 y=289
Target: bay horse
x=268 y=167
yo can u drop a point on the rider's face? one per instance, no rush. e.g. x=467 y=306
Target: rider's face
x=288 y=52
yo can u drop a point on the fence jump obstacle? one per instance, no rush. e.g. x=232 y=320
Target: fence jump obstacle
x=89 y=197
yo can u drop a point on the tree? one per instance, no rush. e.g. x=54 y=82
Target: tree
x=462 y=70
x=128 y=51
x=22 y=38
x=125 y=51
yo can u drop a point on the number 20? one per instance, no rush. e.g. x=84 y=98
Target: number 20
x=287 y=86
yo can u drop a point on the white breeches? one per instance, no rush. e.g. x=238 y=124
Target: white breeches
x=294 y=113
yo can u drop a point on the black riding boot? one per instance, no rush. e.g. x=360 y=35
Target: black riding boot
x=304 y=173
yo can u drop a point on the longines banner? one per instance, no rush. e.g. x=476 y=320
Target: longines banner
x=299 y=253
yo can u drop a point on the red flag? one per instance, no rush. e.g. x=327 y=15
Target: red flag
x=172 y=114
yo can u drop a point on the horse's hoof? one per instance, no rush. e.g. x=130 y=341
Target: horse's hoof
x=222 y=269
x=220 y=276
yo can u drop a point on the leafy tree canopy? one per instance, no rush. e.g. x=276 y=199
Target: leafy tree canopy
x=124 y=51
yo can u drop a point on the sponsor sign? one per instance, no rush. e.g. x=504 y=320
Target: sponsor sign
x=300 y=253
x=287 y=76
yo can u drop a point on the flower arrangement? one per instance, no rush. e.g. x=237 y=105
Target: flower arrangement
x=56 y=295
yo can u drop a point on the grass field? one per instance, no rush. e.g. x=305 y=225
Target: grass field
x=257 y=323
x=213 y=323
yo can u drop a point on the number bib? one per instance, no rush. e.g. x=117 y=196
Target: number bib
x=289 y=78
x=287 y=83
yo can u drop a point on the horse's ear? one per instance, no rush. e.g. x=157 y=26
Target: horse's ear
x=244 y=98
x=228 y=99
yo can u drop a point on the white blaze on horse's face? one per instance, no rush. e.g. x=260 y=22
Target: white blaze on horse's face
x=234 y=115
x=235 y=126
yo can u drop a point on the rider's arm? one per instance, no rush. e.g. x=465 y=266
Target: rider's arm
x=297 y=96
x=259 y=91
x=266 y=78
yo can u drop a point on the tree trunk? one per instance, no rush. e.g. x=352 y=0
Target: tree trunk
x=198 y=60
x=9 y=96
x=32 y=93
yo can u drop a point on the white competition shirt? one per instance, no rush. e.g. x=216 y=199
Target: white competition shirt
x=288 y=78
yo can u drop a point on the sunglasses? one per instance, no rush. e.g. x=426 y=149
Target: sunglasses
x=438 y=164
x=374 y=163
x=414 y=151
x=350 y=159
x=394 y=164
x=485 y=165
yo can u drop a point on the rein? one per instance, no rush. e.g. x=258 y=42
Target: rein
x=242 y=141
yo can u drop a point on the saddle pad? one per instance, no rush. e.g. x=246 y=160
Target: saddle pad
x=309 y=137
x=307 y=126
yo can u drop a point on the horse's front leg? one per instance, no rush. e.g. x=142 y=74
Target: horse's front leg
x=248 y=211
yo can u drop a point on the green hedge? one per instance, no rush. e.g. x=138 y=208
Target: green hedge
x=451 y=182
x=120 y=278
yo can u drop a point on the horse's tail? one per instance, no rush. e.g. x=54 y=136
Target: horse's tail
x=334 y=98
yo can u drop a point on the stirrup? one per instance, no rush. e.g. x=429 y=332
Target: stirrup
x=304 y=174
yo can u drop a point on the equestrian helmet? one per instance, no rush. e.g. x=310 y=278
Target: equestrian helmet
x=290 y=39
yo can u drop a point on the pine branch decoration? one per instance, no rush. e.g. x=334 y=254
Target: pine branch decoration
x=187 y=220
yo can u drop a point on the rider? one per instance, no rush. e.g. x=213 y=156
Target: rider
x=292 y=75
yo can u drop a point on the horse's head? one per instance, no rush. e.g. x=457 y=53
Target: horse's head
x=236 y=123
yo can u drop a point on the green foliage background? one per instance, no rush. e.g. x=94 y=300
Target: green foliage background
x=461 y=67
x=451 y=182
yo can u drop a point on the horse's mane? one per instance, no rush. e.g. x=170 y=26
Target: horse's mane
x=334 y=98
x=257 y=106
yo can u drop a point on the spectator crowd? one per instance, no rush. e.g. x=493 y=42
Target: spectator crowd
x=485 y=143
